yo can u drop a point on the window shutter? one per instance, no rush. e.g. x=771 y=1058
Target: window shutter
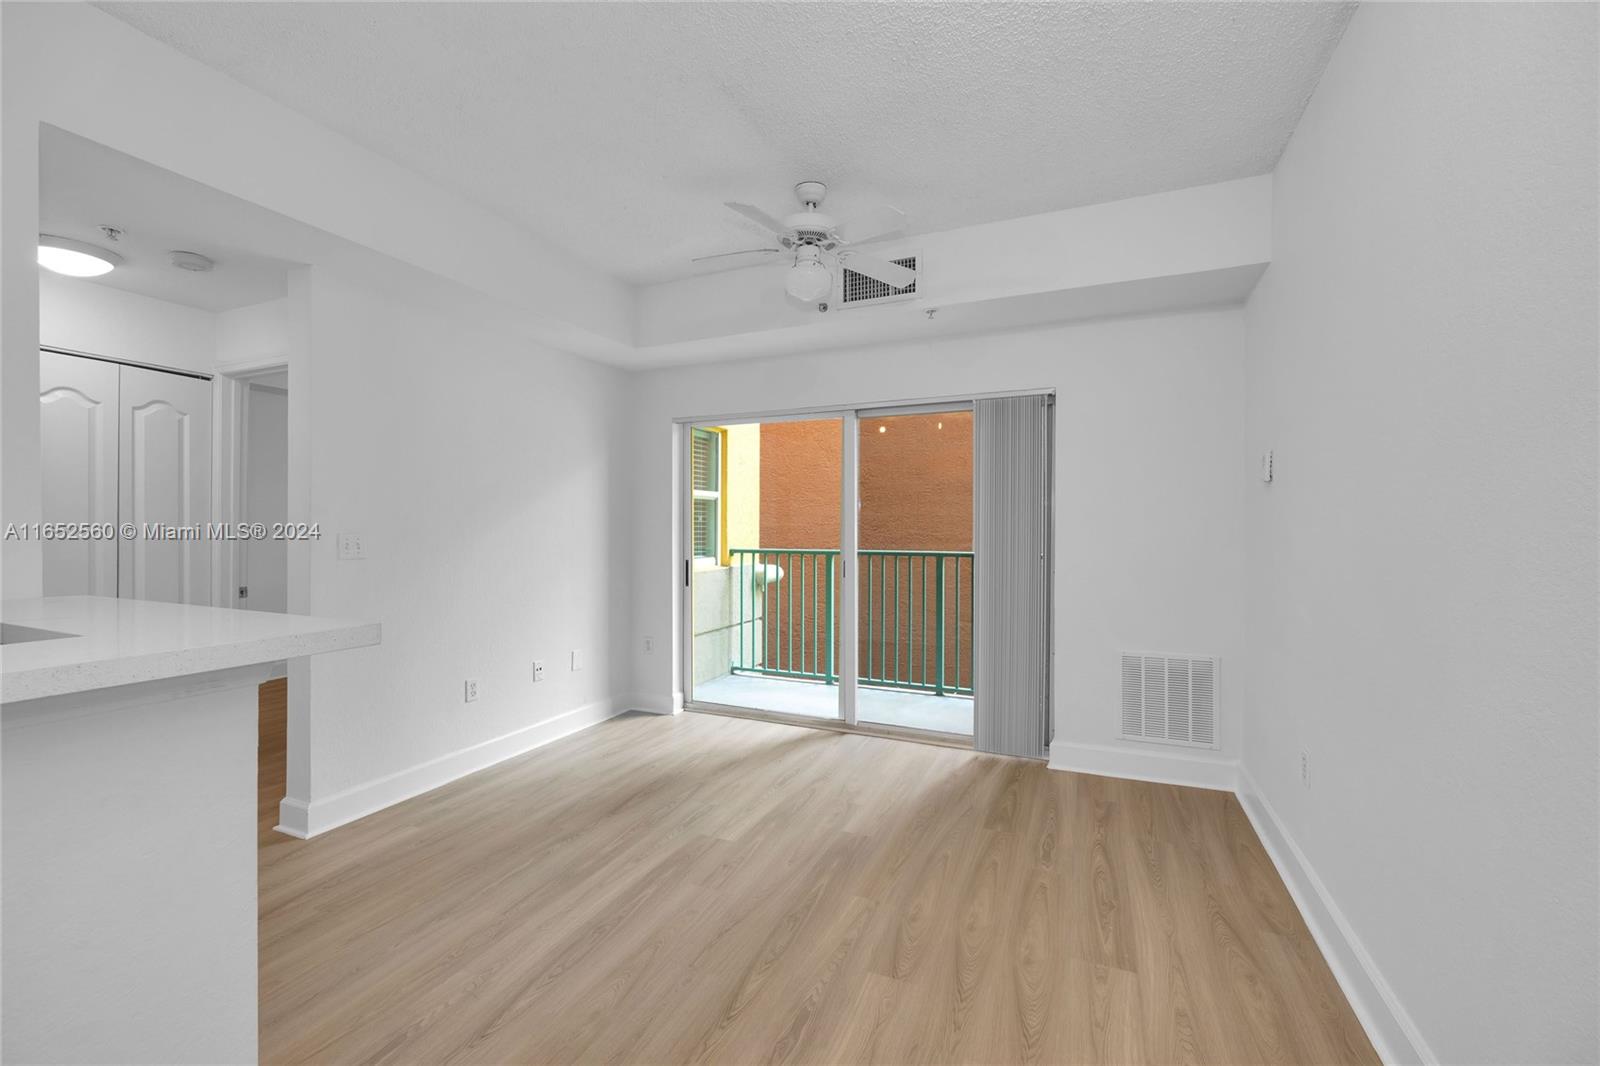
x=707 y=465
x=705 y=529
x=705 y=455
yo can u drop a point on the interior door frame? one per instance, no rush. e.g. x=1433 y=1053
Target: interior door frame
x=241 y=577
x=847 y=603
x=228 y=444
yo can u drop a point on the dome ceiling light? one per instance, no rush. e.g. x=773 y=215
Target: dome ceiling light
x=75 y=259
x=808 y=280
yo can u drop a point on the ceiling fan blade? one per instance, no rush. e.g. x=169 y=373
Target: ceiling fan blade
x=758 y=216
x=886 y=221
x=891 y=274
x=724 y=255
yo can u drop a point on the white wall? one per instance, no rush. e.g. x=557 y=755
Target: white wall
x=253 y=335
x=482 y=473
x=84 y=317
x=1422 y=580
x=1150 y=469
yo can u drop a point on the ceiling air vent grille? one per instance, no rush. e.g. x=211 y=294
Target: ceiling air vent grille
x=858 y=288
x=1169 y=698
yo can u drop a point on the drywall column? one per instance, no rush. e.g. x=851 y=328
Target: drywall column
x=21 y=563
x=293 y=810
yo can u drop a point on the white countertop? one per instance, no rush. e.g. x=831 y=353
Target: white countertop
x=124 y=642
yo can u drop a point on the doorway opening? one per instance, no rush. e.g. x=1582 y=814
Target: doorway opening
x=253 y=407
x=263 y=563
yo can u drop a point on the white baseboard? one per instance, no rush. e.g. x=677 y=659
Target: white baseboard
x=292 y=818
x=1390 y=1028
x=657 y=704
x=300 y=819
x=1166 y=766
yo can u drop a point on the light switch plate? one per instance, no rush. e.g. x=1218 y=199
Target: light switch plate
x=351 y=547
x=577 y=659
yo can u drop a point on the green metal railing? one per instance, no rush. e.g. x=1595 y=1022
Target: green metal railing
x=915 y=612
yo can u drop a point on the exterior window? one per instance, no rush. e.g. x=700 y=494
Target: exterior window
x=707 y=478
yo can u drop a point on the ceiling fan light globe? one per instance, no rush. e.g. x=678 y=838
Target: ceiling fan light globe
x=808 y=281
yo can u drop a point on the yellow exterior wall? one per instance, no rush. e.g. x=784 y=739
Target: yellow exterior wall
x=742 y=496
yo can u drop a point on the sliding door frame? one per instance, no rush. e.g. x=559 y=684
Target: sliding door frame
x=849 y=583
x=845 y=688
x=847 y=604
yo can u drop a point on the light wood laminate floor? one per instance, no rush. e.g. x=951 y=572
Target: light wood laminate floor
x=712 y=889
x=272 y=752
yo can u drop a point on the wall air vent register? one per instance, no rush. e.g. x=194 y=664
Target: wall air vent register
x=1170 y=699
x=860 y=289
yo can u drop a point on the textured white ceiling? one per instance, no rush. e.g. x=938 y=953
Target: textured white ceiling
x=617 y=129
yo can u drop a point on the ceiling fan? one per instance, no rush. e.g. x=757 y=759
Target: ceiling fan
x=816 y=240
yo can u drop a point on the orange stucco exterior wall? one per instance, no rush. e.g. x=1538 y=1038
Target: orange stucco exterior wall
x=916 y=483
x=800 y=463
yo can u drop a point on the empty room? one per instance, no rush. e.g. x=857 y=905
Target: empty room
x=832 y=533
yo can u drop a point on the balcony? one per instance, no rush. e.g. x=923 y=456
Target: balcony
x=767 y=635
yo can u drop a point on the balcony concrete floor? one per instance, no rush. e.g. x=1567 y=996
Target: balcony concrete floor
x=874 y=706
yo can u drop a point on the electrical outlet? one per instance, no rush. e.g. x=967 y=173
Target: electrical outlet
x=471 y=687
x=1305 y=770
x=350 y=546
x=577 y=659
x=538 y=670
x=649 y=645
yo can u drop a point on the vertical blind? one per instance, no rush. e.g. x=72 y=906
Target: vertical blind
x=1011 y=667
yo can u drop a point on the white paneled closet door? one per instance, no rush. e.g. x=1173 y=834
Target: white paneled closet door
x=78 y=464
x=164 y=480
x=1011 y=506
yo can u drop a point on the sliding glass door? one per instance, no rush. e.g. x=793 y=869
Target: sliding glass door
x=833 y=569
x=764 y=574
x=793 y=611
x=915 y=569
